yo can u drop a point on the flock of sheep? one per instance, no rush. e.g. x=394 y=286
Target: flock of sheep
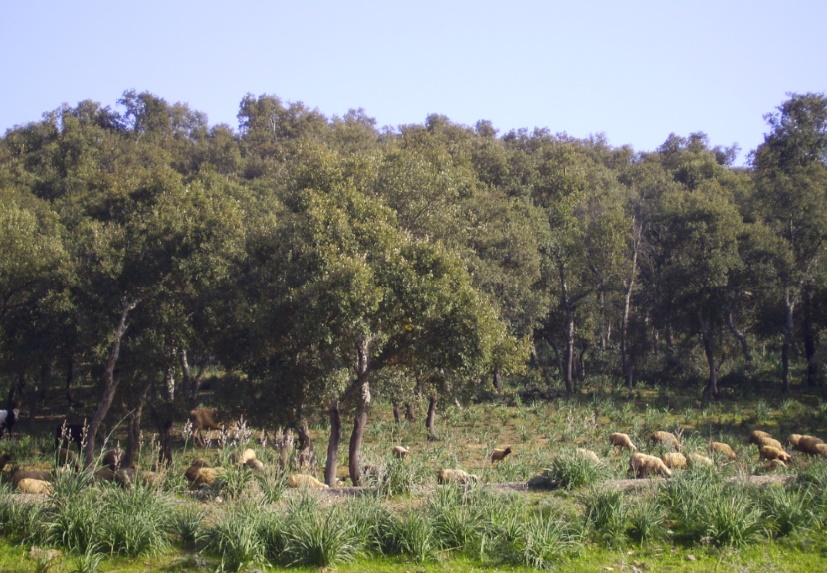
x=200 y=473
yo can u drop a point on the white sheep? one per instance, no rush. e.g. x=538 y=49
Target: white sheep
x=619 y=440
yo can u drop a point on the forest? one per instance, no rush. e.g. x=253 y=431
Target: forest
x=299 y=266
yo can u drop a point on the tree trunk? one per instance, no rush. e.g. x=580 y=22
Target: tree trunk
x=332 y=463
x=397 y=412
x=498 y=381
x=711 y=390
x=359 y=423
x=810 y=341
x=165 y=437
x=70 y=378
x=110 y=384
x=568 y=373
x=409 y=412
x=786 y=344
x=14 y=399
x=431 y=419
x=742 y=340
x=133 y=428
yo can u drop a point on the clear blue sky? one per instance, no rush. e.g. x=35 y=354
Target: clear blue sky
x=634 y=71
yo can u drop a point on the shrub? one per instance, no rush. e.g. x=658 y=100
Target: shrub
x=186 y=523
x=572 y=471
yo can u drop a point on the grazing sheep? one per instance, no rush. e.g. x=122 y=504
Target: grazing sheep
x=723 y=449
x=66 y=434
x=104 y=474
x=499 y=454
x=809 y=445
x=587 y=454
x=112 y=459
x=619 y=440
x=697 y=460
x=456 y=476
x=794 y=439
x=246 y=456
x=29 y=474
x=191 y=472
x=153 y=479
x=201 y=420
x=666 y=439
x=641 y=465
x=821 y=450
x=674 y=460
x=770 y=453
x=400 y=452
x=206 y=476
x=7 y=420
x=254 y=465
x=305 y=481
x=764 y=441
x=37 y=486
x=756 y=436
x=774 y=465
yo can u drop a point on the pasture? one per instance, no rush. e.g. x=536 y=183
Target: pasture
x=699 y=520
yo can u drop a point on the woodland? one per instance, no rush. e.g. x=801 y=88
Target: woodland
x=298 y=267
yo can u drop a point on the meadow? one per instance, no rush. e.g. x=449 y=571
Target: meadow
x=699 y=520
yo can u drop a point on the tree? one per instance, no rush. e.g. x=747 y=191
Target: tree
x=791 y=179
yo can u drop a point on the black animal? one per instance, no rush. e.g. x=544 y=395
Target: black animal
x=66 y=434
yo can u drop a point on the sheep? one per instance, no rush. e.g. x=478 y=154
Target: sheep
x=456 y=476
x=400 y=452
x=112 y=459
x=66 y=434
x=246 y=456
x=774 y=465
x=666 y=439
x=674 y=460
x=7 y=419
x=794 y=439
x=809 y=445
x=254 y=465
x=756 y=436
x=723 y=449
x=770 y=453
x=36 y=486
x=126 y=476
x=4 y=460
x=821 y=450
x=499 y=454
x=305 y=481
x=206 y=476
x=641 y=465
x=587 y=454
x=104 y=474
x=764 y=441
x=697 y=460
x=201 y=420
x=619 y=440
x=153 y=479
x=19 y=475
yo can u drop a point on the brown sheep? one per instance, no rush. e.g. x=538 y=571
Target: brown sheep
x=499 y=454
x=809 y=445
x=666 y=439
x=723 y=449
x=770 y=453
x=246 y=456
x=254 y=465
x=192 y=472
x=112 y=459
x=206 y=476
x=153 y=479
x=400 y=452
x=201 y=420
x=456 y=476
x=756 y=436
x=794 y=439
x=305 y=481
x=697 y=460
x=36 y=486
x=674 y=460
x=619 y=440
x=764 y=441
x=104 y=474
x=641 y=465
x=774 y=465
x=821 y=450
x=29 y=474
x=587 y=454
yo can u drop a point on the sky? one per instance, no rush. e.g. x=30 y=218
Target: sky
x=633 y=71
